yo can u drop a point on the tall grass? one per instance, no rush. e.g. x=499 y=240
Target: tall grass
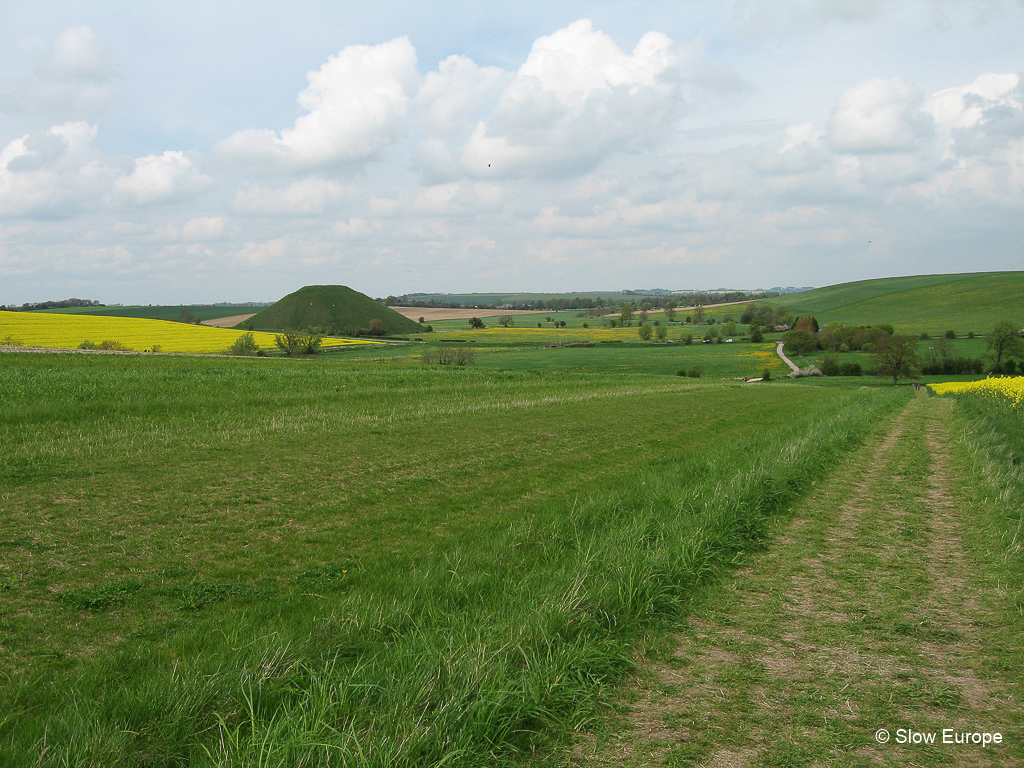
x=993 y=435
x=488 y=646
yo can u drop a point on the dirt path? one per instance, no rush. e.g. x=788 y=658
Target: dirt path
x=867 y=613
x=778 y=350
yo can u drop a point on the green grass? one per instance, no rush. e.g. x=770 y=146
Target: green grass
x=159 y=312
x=337 y=309
x=892 y=600
x=922 y=304
x=228 y=562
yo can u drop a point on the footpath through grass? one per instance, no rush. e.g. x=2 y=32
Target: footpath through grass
x=883 y=627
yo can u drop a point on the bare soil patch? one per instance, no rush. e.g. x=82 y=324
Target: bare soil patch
x=227 y=322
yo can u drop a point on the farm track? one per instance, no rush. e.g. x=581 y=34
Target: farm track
x=868 y=612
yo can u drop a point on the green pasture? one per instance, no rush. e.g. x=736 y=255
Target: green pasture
x=170 y=312
x=929 y=304
x=219 y=562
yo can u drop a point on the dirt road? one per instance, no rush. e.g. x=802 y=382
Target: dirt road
x=868 y=634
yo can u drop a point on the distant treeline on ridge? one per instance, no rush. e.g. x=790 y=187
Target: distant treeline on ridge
x=572 y=301
x=30 y=307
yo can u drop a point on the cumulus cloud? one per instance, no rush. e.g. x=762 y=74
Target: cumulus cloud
x=204 y=228
x=576 y=99
x=51 y=174
x=309 y=197
x=73 y=79
x=880 y=115
x=356 y=105
x=160 y=178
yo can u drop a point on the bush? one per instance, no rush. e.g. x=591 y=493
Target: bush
x=810 y=370
x=849 y=369
x=766 y=374
x=449 y=356
x=694 y=373
x=109 y=345
x=830 y=365
x=950 y=334
x=244 y=346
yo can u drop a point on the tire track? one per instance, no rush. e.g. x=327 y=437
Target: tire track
x=862 y=616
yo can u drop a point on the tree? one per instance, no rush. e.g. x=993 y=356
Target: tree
x=800 y=342
x=895 y=356
x=476 y=322
x=645 y=330
x=377 y=328
x=1004 y=340
x=506 y=320
x=625 y=315
x=661 y=332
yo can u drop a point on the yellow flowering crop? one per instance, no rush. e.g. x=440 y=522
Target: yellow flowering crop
x=59 y=331
x=1009 y=388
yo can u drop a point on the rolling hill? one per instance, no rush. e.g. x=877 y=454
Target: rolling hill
x=920 y=304
x=337 y=309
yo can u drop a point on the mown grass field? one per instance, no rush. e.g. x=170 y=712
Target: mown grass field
x=68 y=331
x=222 y=562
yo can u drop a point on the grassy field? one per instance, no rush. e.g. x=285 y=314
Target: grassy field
x=160 y=312
x=923 y=304
x=271 y=562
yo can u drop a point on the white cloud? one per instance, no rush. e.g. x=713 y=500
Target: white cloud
x=577 y=99
x=880 y=115
x=204 y=228
x=159 y=178
x=356 y=105
x=51 y=174
x=309 y=197
x=459 y=89
x=77 y=55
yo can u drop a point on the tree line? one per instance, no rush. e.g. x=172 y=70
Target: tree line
x=63 y=304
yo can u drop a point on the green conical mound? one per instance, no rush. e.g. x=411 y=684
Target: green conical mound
x=337 y=309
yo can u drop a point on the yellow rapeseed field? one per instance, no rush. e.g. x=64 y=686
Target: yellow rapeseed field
x=1009 y=388
x=57 y=331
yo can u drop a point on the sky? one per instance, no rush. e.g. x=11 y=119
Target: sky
x=195 y=152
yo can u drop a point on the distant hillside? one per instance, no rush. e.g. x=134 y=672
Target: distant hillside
x=337 y=309
x=921 y=304
x=163 y=312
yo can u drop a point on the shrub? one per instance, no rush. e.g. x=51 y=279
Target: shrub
x=694 y=373
x=108 y=344
x=950 y=334
x=449 y=356
x=766 y=374
x=830 y=365
x=849 y=369
x=244 y=346
x=810 y=370
x=289 y=343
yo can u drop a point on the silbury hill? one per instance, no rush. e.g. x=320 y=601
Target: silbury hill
x=337 y=309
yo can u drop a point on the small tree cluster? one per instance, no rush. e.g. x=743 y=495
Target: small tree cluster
x=449 y=356
x=305 y=342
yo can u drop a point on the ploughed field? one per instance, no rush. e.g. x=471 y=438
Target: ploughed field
x=211 y=561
